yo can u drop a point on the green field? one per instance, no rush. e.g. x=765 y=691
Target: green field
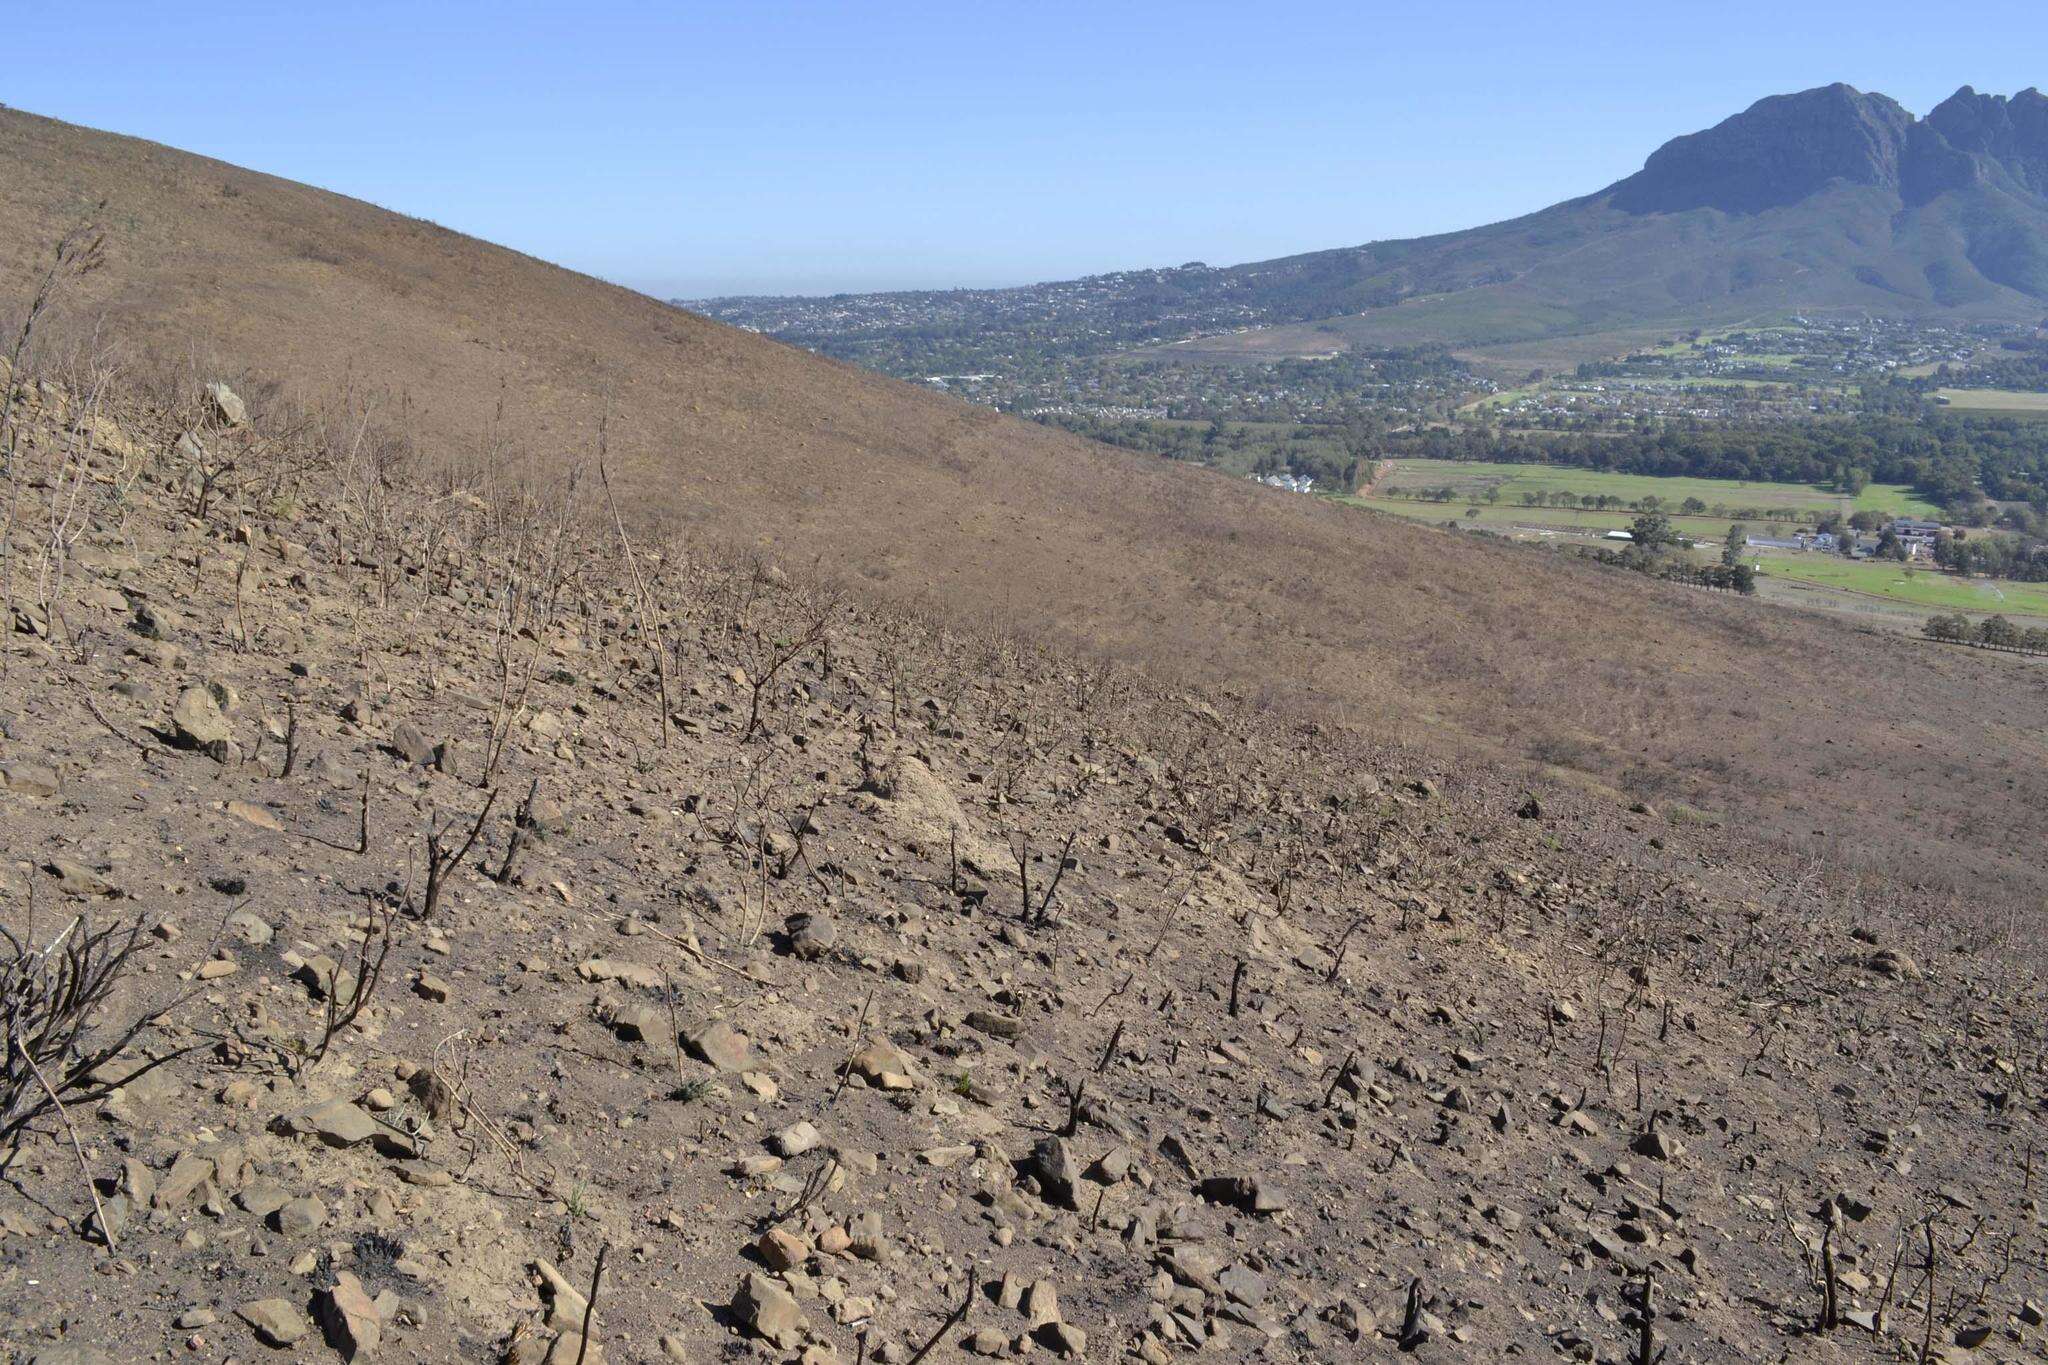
x=1908 y=584
x=1471 y=479
x=1996 y=400
x=1505 y=518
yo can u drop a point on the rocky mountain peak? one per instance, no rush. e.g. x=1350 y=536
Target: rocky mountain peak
x=1786 y=148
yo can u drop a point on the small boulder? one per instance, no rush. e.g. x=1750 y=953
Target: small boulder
x=1052 y=1165
x=769 y=1311
x=227 y=406
x=197 y=724
x=276 y=1322
x=800 y=1137
x=349 y=1318
x=718 y=1044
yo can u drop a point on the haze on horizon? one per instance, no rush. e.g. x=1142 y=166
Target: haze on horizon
x=812 y=148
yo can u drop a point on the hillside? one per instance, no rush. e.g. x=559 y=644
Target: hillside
x=1879 y=752
x=918 y=995
x=1828 y=200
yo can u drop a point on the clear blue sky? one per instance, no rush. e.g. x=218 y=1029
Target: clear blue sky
x=690 y=149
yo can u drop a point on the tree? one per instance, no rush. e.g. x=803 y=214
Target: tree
x=1744 y=578
x=1692 y=507
x=1652 y=531
x=1737 y=542
x=1996 y=630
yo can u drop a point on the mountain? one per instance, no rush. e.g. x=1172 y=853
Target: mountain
x=479 y=356
x=1826 y=200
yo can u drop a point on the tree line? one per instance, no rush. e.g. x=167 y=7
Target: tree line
x=1954 y=459
x=1992 y=630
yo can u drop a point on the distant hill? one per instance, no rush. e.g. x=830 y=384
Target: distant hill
x=1827 y=200
x=1789 y=724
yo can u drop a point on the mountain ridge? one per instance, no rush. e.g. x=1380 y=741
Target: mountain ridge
x=1823 y=200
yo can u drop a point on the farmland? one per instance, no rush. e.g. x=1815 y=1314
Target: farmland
x=1470 y=482
x=2008 y=401
x=1910 y=585
x=1864 y=588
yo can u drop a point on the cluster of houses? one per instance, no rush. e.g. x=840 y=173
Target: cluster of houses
x=1915 y=533
x=1293 y=483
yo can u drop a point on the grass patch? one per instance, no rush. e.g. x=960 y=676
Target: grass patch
x=1996 y=400
x=1911 y=585
x=1473 y=478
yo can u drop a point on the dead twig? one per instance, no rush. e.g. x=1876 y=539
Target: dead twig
x=99 y=1212
x=954 y=1319
x=590 y=1302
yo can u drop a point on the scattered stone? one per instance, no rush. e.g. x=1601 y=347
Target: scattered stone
x=262 y=1198
x=800 y=1137
x=77 y=880
x=782 y=1250
x=812 y=937
x=639 y=1023
x=275 y=1321
x=228 y=407
x=1042 y=1304
x=1065 y=1339
x=719 y=1045
x=190 y=1171
x=769 y=1311
x=340 y=1123
x=250 y=929
x=632 y=973
x=1239 y=1192
x=26 y=779
x=349 y=1318
x=883 y=1065
x=197 y=724
x=1004 y=1026
x=1051 y=1164
x=410 y=743
x=299 y=1217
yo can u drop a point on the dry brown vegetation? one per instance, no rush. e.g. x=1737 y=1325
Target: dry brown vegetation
x=892 y=985
x=1867 y=748
x=461 y=914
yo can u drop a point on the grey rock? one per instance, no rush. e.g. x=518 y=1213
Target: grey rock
x=717 y=1044
x=197 y=724
x=769 y=1311
x=1052 y=1165
x=276 y=1322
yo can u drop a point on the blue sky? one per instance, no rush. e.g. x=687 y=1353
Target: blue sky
x=690 y=149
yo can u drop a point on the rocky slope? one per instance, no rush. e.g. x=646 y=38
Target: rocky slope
x=909 y=988
x=416 y=339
